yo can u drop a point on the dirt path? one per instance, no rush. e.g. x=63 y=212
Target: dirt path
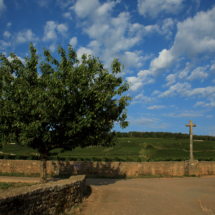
x=164 y=196
x=149 y=196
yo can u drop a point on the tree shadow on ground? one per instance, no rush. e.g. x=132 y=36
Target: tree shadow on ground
x=102 y=170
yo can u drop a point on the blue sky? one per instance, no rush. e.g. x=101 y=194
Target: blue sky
x=166 y=46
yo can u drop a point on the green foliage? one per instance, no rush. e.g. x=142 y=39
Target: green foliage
x=80 y=112
x=139 y=160
x=59 y=99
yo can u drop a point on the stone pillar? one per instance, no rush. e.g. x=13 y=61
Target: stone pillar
x=191 y=138
x=191 y=166
x=191 y=146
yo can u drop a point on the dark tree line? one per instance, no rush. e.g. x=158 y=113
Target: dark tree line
x=179 y=135
x=163 y=135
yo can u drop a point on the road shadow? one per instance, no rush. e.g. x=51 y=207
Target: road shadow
x=102 y=182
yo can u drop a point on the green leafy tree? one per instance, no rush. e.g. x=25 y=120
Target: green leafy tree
x=64 y=98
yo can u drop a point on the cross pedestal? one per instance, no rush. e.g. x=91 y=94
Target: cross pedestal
x=191 y=167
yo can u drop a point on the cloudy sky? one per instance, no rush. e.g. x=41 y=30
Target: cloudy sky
x=166 y=46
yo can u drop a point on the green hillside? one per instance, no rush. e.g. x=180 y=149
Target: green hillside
x=145 y=148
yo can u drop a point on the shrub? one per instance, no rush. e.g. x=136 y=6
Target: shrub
x=139 y=160
x=88 y=159
x=129 y=159
x=149 y=146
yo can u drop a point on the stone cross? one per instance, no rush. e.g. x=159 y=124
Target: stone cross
x=191 y=138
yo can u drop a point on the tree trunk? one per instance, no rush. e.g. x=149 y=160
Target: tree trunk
x=43 y=168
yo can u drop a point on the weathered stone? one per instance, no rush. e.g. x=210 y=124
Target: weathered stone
x=191 y=138
x=124 y=169
x=41 y=198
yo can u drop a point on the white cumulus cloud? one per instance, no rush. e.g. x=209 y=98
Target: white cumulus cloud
x=185 y=71
x=198 y=104
x=84 y=8
x=165 y=60
x=143 y=74
x=140 y=97
x=73 y=42
x=153 y=8
x=212 y=67
x=7 y=34
x=4 y=44
x=195 y=31
x=49 y=29
x=25 y=36
x=171 y=79
x=184 y=114
x=156 y=92
x=167 y=27
x=197 y=73
x=212 y=104
x=155 y=107
x=52 y=47
x=179 y=88
x=65 y=3
x=203 y=91
x=43 y=3
x=136 y=83
x=62 y=28
x=142 y=79
x=2 y=6
x=192 y=31
x=67 y=15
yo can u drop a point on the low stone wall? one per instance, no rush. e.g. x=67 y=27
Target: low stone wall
x=123 y=169
x=50 y=198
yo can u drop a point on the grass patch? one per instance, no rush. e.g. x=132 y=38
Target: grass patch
x=10 y=185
